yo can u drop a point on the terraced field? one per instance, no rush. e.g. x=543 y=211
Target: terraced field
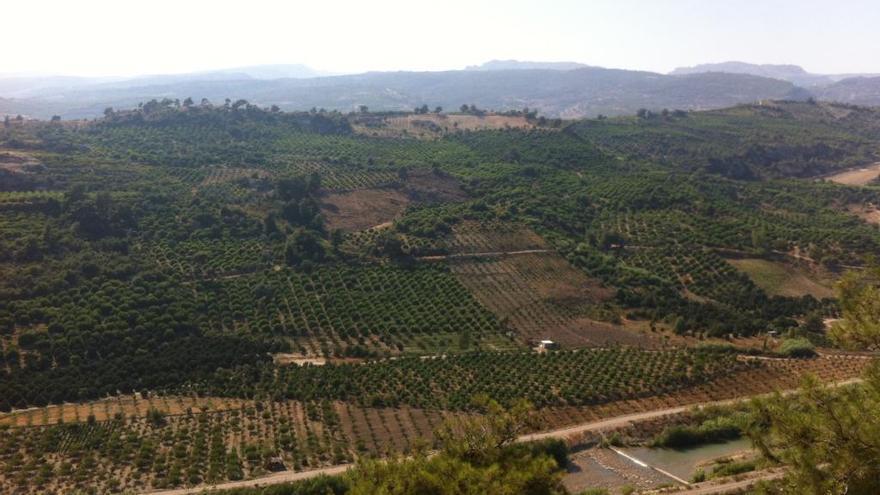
x=193 y=440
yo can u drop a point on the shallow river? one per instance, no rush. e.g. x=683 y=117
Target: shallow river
x=683 y=462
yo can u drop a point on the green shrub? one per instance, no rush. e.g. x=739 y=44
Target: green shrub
x=797 y=348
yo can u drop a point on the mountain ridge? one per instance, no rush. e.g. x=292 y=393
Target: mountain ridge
x=581 y=92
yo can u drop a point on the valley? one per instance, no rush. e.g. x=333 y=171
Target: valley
x=197 y=295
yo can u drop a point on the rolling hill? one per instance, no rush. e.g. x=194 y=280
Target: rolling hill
x=554 y=93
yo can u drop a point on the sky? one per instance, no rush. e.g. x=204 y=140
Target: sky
x=131 y=37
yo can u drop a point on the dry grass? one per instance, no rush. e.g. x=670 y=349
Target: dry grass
x=783 y=279
x=539 y=295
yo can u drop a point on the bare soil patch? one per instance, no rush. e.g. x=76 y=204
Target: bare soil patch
x=429 y=186
x=869 y=213
x=857 y=177
x=361 y=209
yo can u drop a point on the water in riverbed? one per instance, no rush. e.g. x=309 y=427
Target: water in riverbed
x=683 y=462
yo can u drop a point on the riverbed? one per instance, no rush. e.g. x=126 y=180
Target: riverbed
x=684 y=462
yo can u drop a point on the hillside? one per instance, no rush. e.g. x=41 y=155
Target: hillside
x=769 y=140
x=564 y=93
x=791 y=73
x=201 y=293
x=856 y=90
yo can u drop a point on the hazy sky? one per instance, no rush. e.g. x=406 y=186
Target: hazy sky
x=126 y=37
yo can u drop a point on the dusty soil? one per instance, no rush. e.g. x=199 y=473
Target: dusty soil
x=361 y=209
x=428 y=186
x=869 y=213
x=857 y=177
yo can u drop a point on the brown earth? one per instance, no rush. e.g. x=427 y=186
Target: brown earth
x=429 y=186
x=857 y=177
x=869 y=213
x=363 y=208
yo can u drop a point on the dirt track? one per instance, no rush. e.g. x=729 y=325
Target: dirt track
x=489 y=254
x=562 y=433
x=733 y=486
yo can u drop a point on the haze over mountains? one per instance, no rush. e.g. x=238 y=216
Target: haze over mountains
x=792 y=73
x=555 y=89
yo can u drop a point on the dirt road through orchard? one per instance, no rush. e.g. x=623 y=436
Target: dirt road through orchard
x=561 y=433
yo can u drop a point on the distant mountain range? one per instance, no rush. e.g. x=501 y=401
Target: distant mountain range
x=555 y=89
x=791 y=73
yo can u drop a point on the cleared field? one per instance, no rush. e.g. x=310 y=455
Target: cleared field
x=857 y=177
x=539 y=295
x=780 y=279
x=361 y=209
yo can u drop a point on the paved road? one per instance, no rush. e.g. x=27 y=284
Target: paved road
x=562 y=433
